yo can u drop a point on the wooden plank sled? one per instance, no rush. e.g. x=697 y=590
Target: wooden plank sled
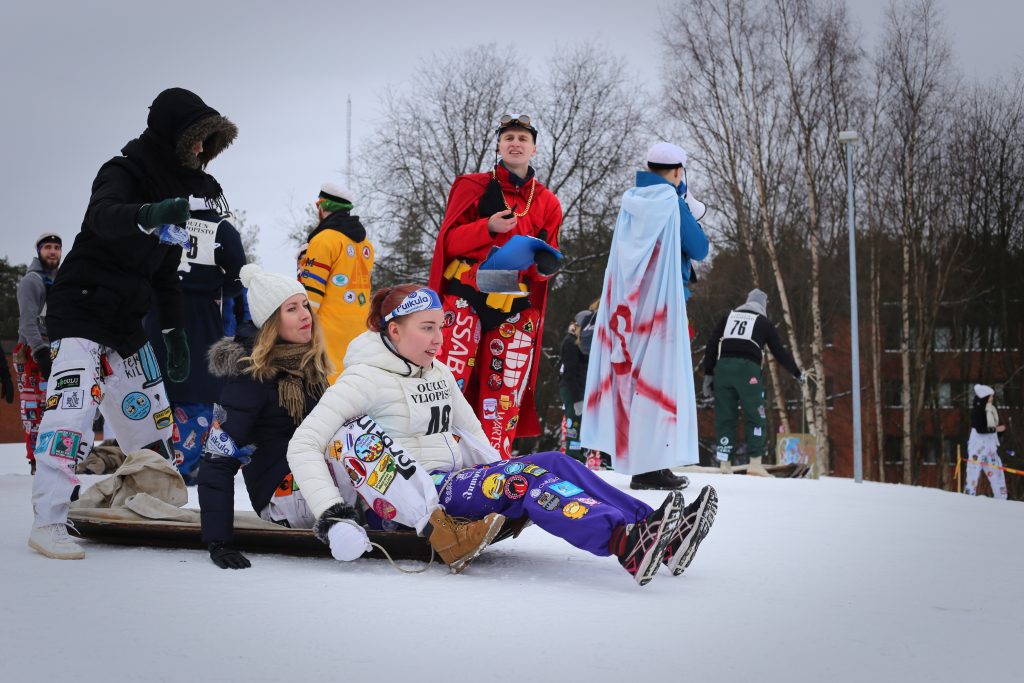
x=116 y=530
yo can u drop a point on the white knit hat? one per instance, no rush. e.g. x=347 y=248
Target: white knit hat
x=983 y=390
x=267 y=291
x=666 y=155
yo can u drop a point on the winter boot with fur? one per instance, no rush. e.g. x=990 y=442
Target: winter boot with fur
x=756 y=469
x=458 y=541
x=53 y=541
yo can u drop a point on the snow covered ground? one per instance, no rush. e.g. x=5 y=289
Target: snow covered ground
x=798 y=581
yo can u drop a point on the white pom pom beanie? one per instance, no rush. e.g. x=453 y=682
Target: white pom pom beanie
x=266 y=291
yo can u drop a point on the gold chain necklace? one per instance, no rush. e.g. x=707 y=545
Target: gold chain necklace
x=529 y=200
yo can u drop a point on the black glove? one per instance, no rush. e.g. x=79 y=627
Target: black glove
x=42 y=358
x=8 y=388
x=226 y=557
x=167 y=211
x=547 y=263
x=177 y=355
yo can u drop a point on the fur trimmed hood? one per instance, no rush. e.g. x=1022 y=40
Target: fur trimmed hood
x=216 y=133
x=225 y=357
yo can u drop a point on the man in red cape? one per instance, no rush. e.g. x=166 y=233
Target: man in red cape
x=492 y=342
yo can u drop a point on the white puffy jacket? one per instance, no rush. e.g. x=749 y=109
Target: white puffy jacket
x=418 y=407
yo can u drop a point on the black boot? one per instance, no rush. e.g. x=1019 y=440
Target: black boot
x=659 y=480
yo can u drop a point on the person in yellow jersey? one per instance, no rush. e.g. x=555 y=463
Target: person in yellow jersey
x=336 y=272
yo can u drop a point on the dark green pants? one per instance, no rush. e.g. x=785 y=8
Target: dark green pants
x=738 y=385
x=572 y=427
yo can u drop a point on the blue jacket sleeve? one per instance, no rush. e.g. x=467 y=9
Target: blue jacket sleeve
x=692 y=237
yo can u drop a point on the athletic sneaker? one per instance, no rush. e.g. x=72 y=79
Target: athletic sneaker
x=698 y=517
x=458 y=541
x=53 y=541
x=641 y=547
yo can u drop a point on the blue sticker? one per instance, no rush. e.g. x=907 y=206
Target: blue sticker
x=514 y=468
x=438 y=478
x=136 y=405
x=43 y=442
x=340 y=280
x=565 y=488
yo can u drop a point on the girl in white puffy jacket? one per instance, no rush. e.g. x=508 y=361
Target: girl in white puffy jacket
x=393 y=416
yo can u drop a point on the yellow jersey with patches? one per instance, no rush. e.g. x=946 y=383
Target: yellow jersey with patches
x=336 y=275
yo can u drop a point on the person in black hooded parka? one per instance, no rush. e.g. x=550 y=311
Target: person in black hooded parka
x=123 y=263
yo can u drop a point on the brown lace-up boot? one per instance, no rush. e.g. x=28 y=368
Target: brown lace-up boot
x=458 y=541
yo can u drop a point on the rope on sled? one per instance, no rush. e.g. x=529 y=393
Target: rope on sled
x=404 y=571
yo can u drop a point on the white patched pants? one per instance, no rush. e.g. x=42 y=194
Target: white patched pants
x=983 y=455
x=86 y=376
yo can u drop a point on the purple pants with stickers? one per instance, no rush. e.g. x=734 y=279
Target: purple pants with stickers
x=557 y=493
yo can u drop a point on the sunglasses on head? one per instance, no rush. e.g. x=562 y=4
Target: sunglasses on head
x=509 y=120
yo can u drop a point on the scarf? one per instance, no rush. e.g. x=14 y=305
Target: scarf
x=295 y=381
x=991 y=416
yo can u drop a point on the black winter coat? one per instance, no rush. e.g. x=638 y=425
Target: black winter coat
x=253 y=417
x=573 y=368
x=115 y=273
x=204 y=287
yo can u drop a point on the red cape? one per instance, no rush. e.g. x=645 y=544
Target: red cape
x=545 y=213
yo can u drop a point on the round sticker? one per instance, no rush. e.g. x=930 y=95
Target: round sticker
x=494 y=382
x=350 y=297
x=506 y=330
x=516 y=486
x=135 y=405
x=369 y=447
x=497 y=347
x=514 y=468
x=492 y=486
x=351 y=251
x=366 y=252
x=340 y=280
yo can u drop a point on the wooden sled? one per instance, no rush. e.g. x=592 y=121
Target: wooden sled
x=401 y=545
x=795 y=470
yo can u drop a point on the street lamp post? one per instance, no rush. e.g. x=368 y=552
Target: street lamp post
x=849 y=138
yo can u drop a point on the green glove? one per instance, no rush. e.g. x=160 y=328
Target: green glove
x=167 y=211
x=177 y=355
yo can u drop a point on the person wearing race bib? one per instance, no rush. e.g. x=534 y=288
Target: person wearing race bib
x=412 y=406
x=209 y=275
x=335 y=270
x=732 y=373
x=123 y=264
x=492 y=339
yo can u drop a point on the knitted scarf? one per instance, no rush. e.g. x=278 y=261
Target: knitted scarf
x=295 y=381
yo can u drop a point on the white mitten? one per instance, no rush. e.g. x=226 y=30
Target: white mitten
x=348 y=541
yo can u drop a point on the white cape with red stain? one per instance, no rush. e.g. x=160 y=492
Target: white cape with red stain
x=640 y=404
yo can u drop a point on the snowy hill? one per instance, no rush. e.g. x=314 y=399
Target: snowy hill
x=798 y=581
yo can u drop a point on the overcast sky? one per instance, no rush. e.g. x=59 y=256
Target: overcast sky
x=76 y=79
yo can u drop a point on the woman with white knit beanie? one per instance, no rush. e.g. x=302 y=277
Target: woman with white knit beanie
x=983 y=445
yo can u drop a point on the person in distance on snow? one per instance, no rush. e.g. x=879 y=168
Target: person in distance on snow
x=983 y=444
x=640 y=402
x=335 y=271
x=32 y=354
x=124 y=261
x=732 y=371
x=393 y=377
x=492 y=341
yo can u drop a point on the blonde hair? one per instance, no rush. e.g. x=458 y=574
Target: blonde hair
x=259 y=366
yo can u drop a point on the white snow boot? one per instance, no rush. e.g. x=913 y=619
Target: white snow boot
x=53 y=541
x=756 y=469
